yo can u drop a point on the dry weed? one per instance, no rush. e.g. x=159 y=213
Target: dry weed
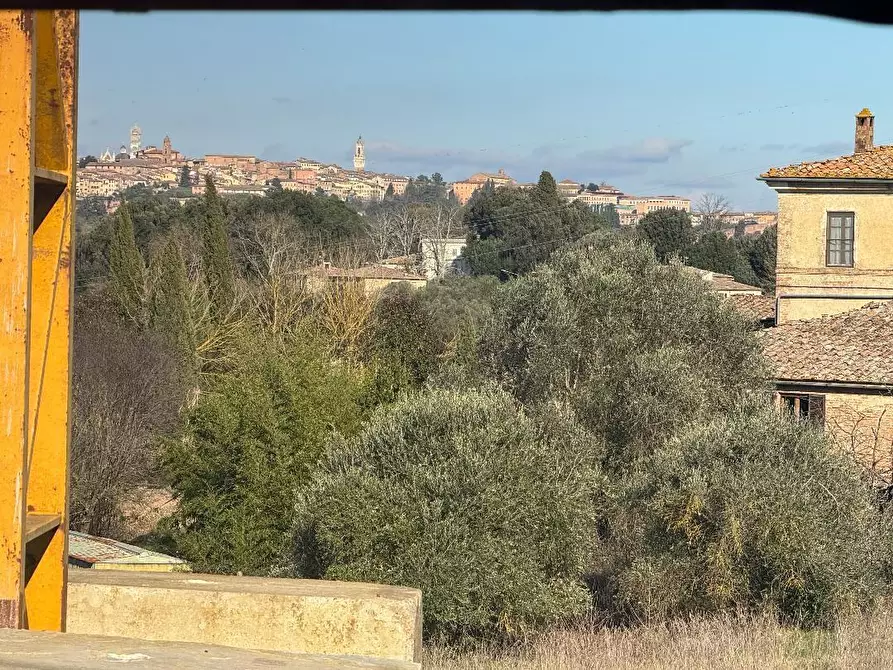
x=728 y=643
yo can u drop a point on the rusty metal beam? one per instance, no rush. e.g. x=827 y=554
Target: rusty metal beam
x=38 y=101
x=16 y=199
x=51 y=299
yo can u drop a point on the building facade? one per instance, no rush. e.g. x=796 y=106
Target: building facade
x=655 y=203
x=831 y=350
x=835 y=230
x=443 y=256
x=463 y=190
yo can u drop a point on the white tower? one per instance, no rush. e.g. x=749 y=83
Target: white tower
x=136 y=140
x=359 y=155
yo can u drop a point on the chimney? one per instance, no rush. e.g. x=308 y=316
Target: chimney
x=864 y=131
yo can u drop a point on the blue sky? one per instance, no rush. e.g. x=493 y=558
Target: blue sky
x=654 y=103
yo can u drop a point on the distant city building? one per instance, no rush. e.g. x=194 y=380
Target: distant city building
x=136 y=140
x=655 y=203
x=463 y=190
x=592 y=198
x=569 y=188
x=359 y=156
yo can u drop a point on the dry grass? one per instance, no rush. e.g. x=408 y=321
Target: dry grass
x=866 y=642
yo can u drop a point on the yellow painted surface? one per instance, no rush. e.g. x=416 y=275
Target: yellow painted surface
x=51 y=301
x=286 y=615
x=37 y=121
x=800 y=267
x=16 y=116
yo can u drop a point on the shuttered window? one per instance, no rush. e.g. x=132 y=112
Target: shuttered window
x=841 y=233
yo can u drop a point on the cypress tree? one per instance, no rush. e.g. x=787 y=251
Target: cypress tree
x=546 y=190
x=170 y=307
x=127 y=271
x=218 y=263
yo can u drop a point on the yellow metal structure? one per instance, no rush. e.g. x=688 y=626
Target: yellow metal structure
x=38 y=103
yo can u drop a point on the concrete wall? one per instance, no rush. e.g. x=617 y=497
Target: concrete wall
x=800 y=268
x=303 y=616
x=40 y=650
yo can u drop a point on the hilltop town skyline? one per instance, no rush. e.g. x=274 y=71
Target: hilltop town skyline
x=672 y=118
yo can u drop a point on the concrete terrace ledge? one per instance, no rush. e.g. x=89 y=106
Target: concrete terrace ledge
x=32 y=650
x=281 y=615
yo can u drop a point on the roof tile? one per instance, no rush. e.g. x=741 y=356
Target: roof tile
x=875 y=163
x=753 y=307
x=854 y=347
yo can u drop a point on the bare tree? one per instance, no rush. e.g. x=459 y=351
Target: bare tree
x=214 y=333
x=278 y=260
x=712 y=209
x=440 y=224
x=127 y=390
x=381 y=232
x=344 y=308
x=407 y=230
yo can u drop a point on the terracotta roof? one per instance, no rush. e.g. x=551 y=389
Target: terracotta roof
x=854 y=347
x=876 y=163
x=723 y=282
x=726 y=283
x=753 y=307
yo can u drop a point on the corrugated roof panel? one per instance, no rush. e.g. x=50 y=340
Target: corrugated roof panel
x=91 y=549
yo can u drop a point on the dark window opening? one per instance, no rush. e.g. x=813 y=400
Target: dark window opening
x=805 y=407
x=841 y=233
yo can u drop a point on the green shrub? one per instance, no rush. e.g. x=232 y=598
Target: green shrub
x=636 y=349
x=250 y=443
x=487 y=510
x=402 y=335
x=458 y=303
x=750 y=512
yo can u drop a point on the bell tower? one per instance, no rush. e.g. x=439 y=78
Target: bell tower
x=136 y=140
x=359 y=155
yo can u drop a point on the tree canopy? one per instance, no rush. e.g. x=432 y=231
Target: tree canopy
x=511 y=230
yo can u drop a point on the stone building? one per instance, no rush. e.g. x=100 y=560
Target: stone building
x=837 y=372
x=371 y=278
x=835 y=229
x=831 y=351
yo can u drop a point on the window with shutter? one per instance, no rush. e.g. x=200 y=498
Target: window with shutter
x=839 y=239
